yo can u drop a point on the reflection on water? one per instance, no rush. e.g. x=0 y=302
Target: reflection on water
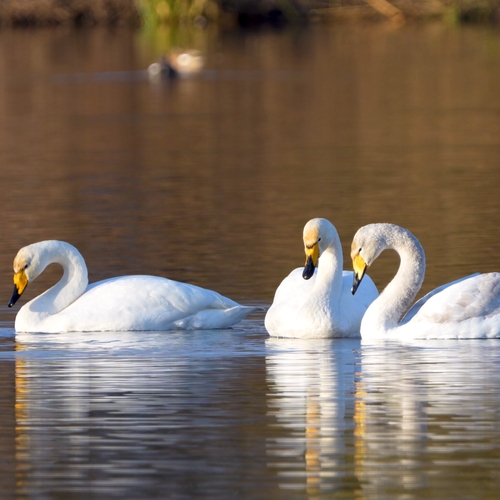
x=139 y=415
x=311 y=396
x=428 y=418
x=208 y=414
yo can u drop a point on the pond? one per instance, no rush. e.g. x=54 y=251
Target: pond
x=210 y=180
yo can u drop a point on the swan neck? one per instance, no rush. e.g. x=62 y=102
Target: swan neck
x=329 y=278
x=400 y=293
x=73 y=282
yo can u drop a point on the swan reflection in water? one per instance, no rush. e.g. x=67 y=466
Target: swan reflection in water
x=391 y=421
x=424 y=414
x=384 y=419
x=312 y=400
x=78 y=402
x=121 y=413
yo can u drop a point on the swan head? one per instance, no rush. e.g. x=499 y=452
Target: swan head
x=27 y=266
x=368 y=243
x=319 y=234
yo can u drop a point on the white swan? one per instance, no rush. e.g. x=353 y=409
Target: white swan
x=464 y=309
x=126 y=303
x=312 y=303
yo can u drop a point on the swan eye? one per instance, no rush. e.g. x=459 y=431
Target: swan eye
x=26 y=266
x=319 y=239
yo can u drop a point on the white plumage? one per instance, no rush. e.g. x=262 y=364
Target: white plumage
x=321 y=306
x=464 y=309
x=127 y=303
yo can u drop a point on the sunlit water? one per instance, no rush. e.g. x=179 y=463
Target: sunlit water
x=234 y=413
x=210 y=180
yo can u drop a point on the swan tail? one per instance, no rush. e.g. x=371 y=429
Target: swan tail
x=211 y=319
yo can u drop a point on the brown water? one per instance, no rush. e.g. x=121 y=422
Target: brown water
x=210 y=181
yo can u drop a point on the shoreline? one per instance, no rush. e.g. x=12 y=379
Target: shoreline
x=249 y=14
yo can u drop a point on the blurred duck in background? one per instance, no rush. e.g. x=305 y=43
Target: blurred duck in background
x=177 y=64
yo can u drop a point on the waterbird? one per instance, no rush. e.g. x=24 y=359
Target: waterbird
x=177 y=64
x=125 y=303
x=463 y=309
x=316 y=301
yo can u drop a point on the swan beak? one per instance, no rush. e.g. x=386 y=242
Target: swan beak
x=20 y=284
x=312 y=256
x=359 y=266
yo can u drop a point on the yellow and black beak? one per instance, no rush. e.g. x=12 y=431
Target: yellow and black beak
x=359 y=266
x=20 y=284
x=312 y=256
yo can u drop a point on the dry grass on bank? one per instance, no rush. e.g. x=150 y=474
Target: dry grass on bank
x=243 y=12
x=75 y=12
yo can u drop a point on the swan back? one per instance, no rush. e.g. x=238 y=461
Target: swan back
x=415 y=308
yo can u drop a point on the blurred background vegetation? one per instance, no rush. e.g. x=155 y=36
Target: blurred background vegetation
x=239 y=13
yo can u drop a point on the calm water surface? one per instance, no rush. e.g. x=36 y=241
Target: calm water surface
x=210 y=181
x=235 y=414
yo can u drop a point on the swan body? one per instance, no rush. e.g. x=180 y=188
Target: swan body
x=126 y=303
x=464 y=309
x=315 y=301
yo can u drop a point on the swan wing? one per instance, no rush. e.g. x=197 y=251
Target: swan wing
x=475 y=296
x=294 y=286
x=286 y=316
x=296 y=289
x=415 y=308
x=289 y=297
x=146 y=303
x=352 y=308
x=365 y=294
